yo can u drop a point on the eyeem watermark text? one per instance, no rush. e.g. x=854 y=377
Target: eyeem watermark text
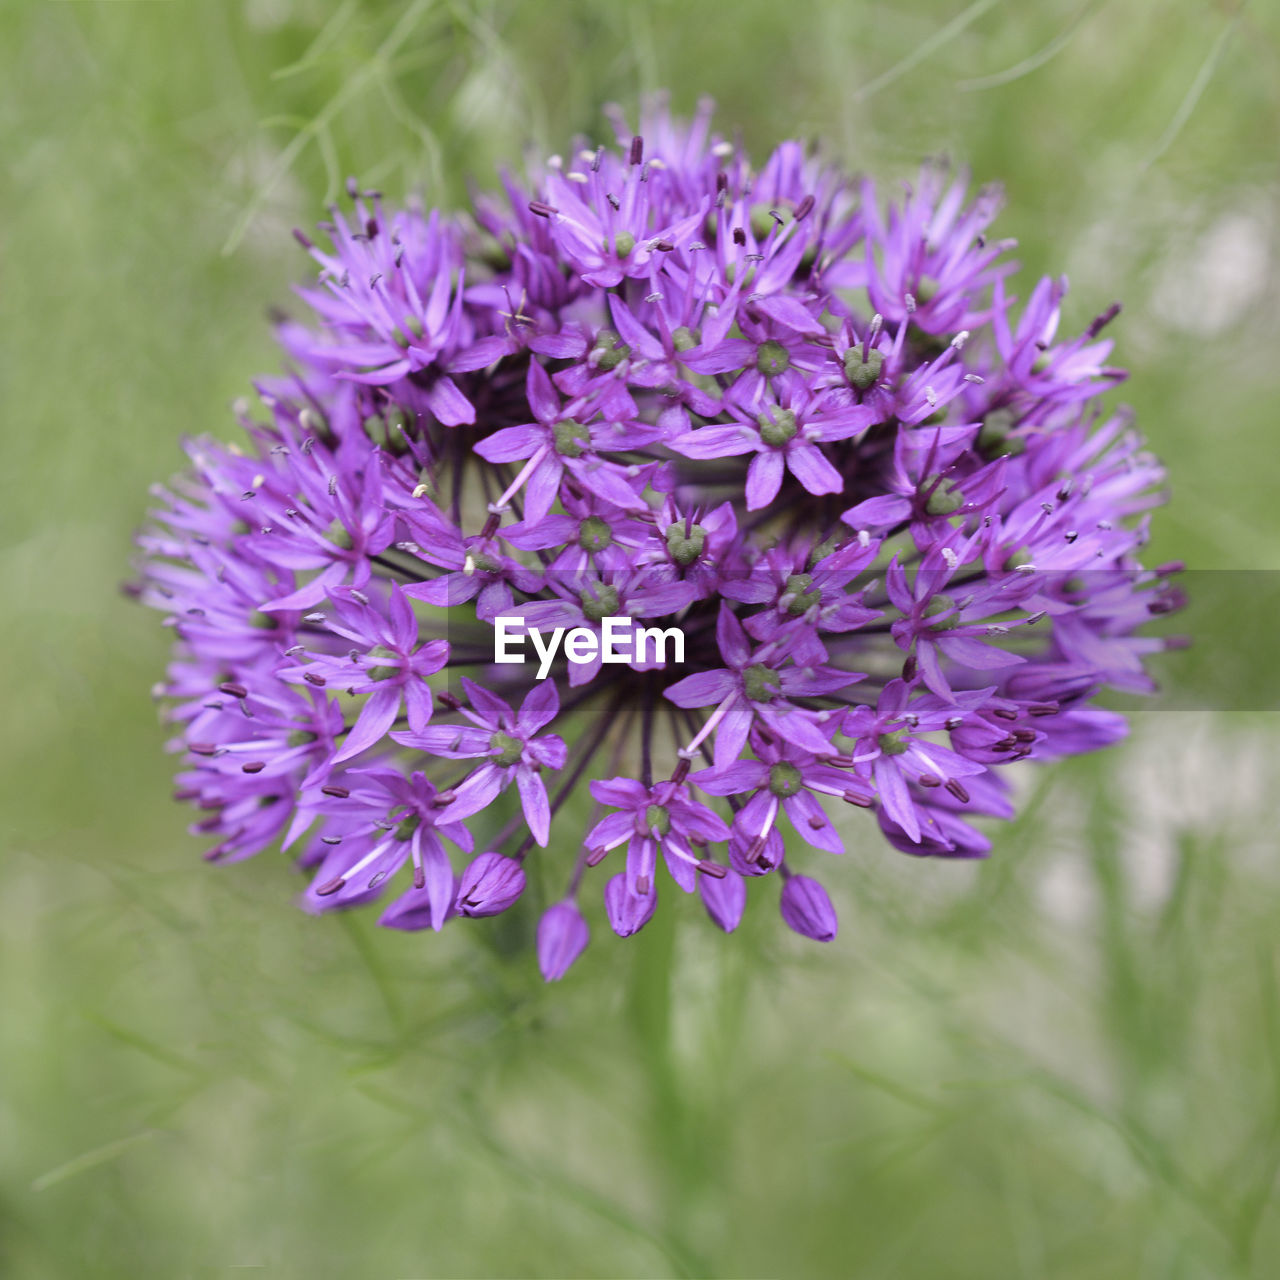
x=618 y=640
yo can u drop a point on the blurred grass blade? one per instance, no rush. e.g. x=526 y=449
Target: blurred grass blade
x=1194 y=93
x=926 y=48
x=91 y=1159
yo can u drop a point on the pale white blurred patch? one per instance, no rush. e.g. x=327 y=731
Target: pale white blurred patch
x=1198 y=772
x=1208 y=282
x=257 y=166
x=1208 y=267
x=267 y=15
x=1065 y=888
x=485 y=104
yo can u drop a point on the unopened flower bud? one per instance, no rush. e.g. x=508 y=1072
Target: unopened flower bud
x=490 y=885
x=808 y=910
x=562 y=936
x=628 y=912
x=724 y=899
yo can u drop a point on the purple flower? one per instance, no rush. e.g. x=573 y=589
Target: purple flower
x=388 y=664
x=583 y=601
x=421 y=906
x=389 y=820
x=610 y=227
x=785 y=779
x=808 y=598
x=888 y=743
x=478 y=568
x=389 y=304
x=757 y=687
x=784 y=435
x=857 y=505
x=934 y=260
x=650 y=820
x=512 y=749
x=564 y=438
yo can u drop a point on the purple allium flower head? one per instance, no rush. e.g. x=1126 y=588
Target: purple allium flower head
x=869 y=534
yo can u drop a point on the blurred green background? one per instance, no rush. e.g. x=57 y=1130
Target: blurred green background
x=1064 y=1063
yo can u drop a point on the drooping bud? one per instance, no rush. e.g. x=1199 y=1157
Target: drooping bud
x=628 y=913
x=562 y=937
x=490 y=885
x=807 y=909
x=724 y=899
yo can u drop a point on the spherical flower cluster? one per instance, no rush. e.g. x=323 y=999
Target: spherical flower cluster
x=813 y=434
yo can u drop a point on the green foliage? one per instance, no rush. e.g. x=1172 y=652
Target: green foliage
x=1063 y=1063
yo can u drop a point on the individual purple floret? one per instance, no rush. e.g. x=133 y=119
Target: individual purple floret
x=849 y=508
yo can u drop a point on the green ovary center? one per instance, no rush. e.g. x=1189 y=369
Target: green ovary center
x=508 y=747
x=804 y=595
x=780 y=430
x=685 y=548
x=785 y=780
x=382 y=672
x=572 y=439
x=761 y=683
x=657 y=819
x=594 y=534
x=604 y=604
x=772 y=358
